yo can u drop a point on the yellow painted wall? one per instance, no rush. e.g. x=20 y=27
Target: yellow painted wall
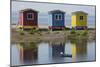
x=76 y=20
x=27 y=26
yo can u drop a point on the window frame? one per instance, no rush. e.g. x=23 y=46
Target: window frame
x=81 y=18
x=32 y=14
x=58 y=16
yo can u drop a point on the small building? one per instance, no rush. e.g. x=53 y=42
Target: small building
x=28 y=19
x=58 y=20
x=79 y=20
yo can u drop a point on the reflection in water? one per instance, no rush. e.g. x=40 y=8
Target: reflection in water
x=57 y=49
x=79 y=48
x=28 y=52
x=51 y=52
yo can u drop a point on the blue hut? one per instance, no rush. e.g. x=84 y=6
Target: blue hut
x=58 y=19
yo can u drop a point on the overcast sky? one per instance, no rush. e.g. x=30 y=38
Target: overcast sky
x=45 y=7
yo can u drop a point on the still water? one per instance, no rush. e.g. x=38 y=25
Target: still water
x=52 y=52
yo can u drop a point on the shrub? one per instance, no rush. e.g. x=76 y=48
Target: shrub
x=39 y=32
x=20 y=28
x=84 y=33
x=78 y=33
x=21 y=32
x=32 y=31
x=73 y=31
x=66 y=28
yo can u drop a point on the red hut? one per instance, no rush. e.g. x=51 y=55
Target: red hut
x=28 y=19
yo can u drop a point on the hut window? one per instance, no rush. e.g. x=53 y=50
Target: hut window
x=58 y=16
x=30 y=16
x=81 y=17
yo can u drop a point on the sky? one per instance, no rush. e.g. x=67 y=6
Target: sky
x=44 y=8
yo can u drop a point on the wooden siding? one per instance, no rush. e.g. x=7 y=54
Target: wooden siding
x=28 y=23
x=76 y=20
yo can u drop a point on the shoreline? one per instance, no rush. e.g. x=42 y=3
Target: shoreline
x=51 y=36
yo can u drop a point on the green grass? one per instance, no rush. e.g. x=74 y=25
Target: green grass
x=21 y=32
x=73 y=31
x=32 y=31
x=84 y=33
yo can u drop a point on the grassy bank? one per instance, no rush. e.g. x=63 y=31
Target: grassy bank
x=46 y=35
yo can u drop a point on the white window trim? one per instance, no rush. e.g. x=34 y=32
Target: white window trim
x=32 y=16
x=81 y=19
x=58 y=16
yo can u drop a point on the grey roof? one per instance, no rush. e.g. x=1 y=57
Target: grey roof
x=77 y=12
x=54 y=11
x=28 y=10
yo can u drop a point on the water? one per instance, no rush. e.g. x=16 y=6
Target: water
x=51 y=52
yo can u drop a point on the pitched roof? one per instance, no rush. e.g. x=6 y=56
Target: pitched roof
x=28 y=10
x=54 y=11
x=77 y=12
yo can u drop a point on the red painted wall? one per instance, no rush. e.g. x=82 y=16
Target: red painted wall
x=25 y=22
x=21 y=19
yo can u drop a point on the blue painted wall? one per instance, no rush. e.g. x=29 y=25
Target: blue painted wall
x=58 y=22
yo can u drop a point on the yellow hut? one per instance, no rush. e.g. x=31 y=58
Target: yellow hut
x=79 y=20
